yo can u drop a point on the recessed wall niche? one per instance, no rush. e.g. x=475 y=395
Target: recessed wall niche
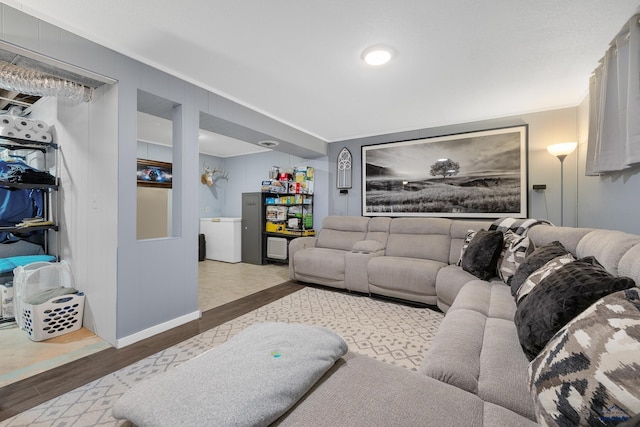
x=157 y=122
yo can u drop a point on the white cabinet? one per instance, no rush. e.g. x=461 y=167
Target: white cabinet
x=223 y=238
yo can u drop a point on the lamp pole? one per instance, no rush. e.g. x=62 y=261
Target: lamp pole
x=561 y=151
x=561 y=157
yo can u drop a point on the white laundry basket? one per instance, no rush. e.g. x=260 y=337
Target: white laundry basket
x=57 y=316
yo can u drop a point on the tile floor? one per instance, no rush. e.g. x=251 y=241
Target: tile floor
x=218 y=283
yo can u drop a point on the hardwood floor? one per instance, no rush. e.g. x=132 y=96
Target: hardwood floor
x=30 y=392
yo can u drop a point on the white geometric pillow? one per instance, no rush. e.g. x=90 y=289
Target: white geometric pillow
x=467 y=239
x=537 y=276
x=515 y=249
x=588 y=374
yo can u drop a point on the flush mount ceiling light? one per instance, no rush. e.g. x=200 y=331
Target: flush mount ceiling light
x=268 y=143
x=378 y=55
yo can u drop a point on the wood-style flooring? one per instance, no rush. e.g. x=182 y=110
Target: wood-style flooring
x=30 y=392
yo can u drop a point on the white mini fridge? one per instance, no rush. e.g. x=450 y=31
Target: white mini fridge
x=223 y=238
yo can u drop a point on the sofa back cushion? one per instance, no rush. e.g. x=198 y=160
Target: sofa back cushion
x=426 y=238
x=569 y=237
x=342 y=232
x=607 y=246
x=378 y=229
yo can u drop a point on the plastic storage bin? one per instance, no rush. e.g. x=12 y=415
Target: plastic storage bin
x=57 y=316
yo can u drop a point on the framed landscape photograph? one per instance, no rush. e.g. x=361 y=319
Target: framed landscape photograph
x=151 y=173
x=479 y=174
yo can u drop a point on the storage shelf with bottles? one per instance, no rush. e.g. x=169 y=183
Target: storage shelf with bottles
x=289 y=214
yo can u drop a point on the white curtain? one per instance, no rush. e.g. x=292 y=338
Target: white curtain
x=614 y=111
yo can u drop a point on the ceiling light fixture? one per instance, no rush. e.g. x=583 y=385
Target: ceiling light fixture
x=268 y=143
x=378 y=55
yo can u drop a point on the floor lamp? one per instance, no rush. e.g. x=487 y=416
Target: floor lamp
x=561 y=151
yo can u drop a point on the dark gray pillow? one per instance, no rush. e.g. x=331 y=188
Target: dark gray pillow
x=481 y=256
x=534 y=261
x=560 y=297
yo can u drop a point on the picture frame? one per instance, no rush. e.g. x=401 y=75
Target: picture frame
x=479 y=174
x=152 y=173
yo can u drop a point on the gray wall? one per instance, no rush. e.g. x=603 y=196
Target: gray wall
x=247 y=172
x=609 y=201
x=138 y=288
x=544 y=128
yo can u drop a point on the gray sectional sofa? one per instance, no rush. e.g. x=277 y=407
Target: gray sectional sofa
x=475 y=372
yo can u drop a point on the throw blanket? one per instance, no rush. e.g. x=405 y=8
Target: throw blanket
x=250 y=380
x=518 y=226
x=8 y=264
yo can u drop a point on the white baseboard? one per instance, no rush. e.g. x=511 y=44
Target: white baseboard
x=154 y=330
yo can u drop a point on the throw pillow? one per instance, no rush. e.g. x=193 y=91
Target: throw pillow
x=534 y=261
x=537 y=276
x=467 y=239
x=481 y=256
x=588 y=374
x=514 y=251
x=560 y=297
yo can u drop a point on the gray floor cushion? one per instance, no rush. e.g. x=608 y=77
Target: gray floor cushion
x=252 y=379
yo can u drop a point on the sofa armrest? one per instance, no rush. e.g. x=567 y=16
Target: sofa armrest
x=298 y=244
x=367 y=246
x=356 y=277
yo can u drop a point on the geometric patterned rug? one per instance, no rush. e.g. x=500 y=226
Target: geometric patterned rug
x=393 y=333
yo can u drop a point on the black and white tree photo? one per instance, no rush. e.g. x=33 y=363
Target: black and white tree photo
x=477 y=174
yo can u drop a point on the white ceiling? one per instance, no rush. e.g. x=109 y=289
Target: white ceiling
x=298 y=61
x=157 y=130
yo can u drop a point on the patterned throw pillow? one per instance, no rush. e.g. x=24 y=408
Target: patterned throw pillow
x=514 y=251
x=467 y=239
x=560 y=297
x=588 y=374
x=481 y=256
x=537 y=276
x=534 y=261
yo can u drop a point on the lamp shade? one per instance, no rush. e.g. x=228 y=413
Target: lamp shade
x=562 y=149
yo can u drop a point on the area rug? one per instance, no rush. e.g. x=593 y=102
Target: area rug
x=393 y=333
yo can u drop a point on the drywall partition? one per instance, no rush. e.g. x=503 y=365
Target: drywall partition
x=544 y=128
x=135 y=288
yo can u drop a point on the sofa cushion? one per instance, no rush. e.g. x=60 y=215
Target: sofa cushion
x=588 y=374
x=534 y=261
x=342 y=232
x=481 y=256
x=361 y=391
x=559 y=298
x=537 y=276
x=515 y=249
x=481 y=355
x=492 y=299
x=454 y=356
x=321 y=262
x=426 y=238
x=449 y=281
x=416 y=276
x=504 y=377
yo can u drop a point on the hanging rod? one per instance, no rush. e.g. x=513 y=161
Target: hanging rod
x=15 y=101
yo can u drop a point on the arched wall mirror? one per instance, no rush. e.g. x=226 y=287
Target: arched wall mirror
x=343 y=174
